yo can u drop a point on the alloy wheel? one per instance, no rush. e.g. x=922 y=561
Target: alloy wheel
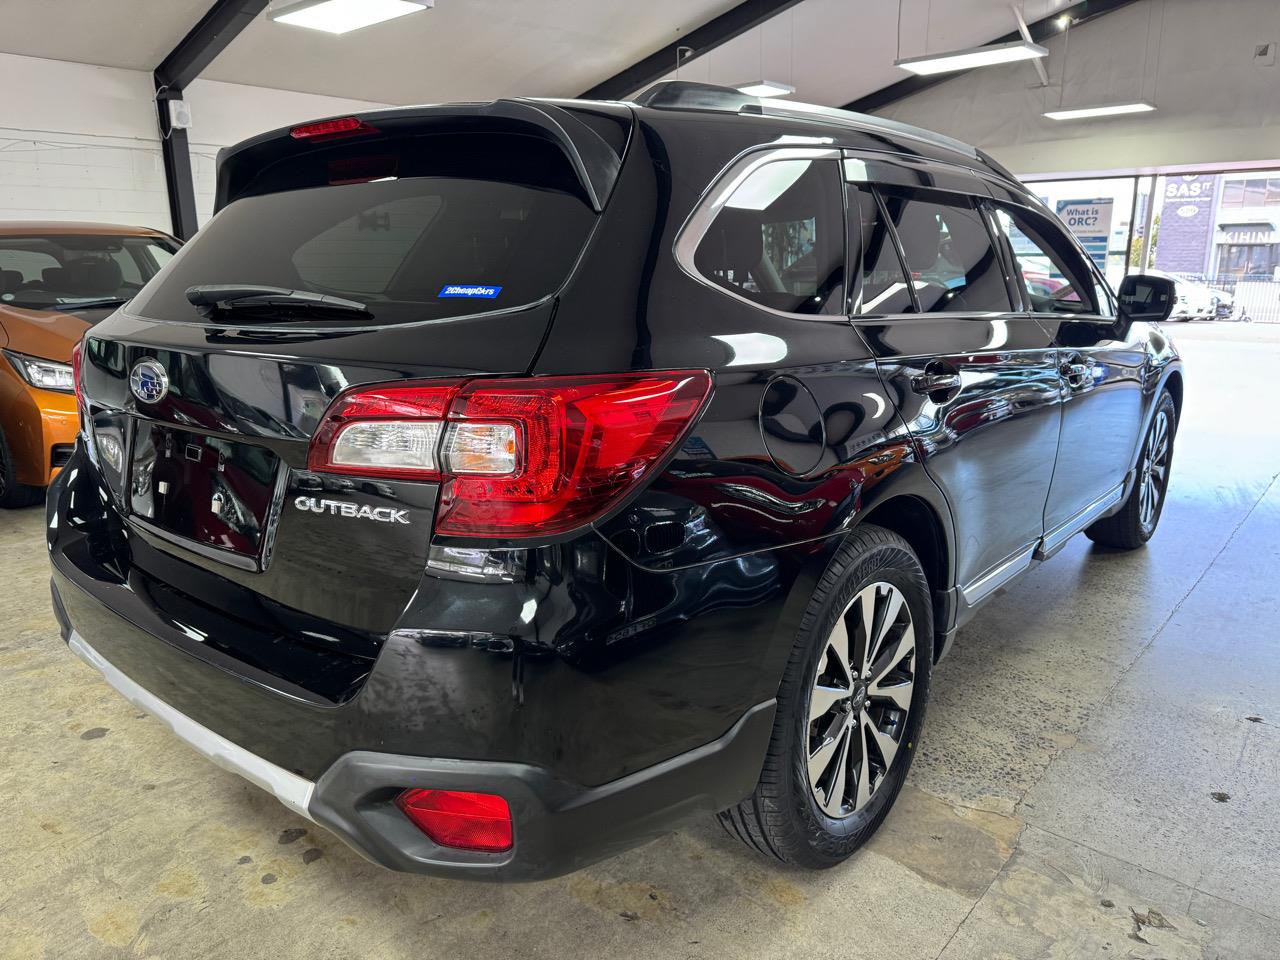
x=859 y=700
x=1154 y=470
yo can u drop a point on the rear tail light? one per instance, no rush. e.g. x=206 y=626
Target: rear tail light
x=466 y=821
x=77 y=375
x=533 y=456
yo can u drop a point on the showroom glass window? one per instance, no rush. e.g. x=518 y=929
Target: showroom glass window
x=1054 y=276
x=779 y=239
x=882 y=286
x=953 y=265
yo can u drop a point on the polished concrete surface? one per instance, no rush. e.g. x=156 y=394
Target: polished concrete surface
x=1098 y=777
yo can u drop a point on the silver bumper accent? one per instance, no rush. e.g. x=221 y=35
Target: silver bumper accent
x=289 y=788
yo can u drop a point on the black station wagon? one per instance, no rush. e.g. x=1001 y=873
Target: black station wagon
x=499 y=484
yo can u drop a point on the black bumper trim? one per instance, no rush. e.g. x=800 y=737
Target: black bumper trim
x=559 y=826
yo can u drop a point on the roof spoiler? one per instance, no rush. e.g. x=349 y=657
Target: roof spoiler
x=595 y=162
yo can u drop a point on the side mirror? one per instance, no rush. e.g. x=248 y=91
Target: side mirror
x=1145 y=299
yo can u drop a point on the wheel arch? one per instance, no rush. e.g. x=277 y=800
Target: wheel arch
x=920 y=523
x=1173 y=383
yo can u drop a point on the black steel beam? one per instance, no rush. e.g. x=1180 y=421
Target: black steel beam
x=703 y=39
x=1040 y=30
x=207 y=39
x=178 y=180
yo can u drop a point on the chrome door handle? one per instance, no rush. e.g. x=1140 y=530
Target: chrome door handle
x=1077 y=373
x=931 y=383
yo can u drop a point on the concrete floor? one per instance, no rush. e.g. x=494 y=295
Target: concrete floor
x=1097 y=778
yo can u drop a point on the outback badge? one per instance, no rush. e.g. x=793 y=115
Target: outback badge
x=341 y=508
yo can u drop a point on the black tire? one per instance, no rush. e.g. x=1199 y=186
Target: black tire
x=1129 y=528
x=12 y=493
x=783 y=818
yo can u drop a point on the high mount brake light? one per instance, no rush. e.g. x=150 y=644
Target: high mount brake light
x=516 y=458
x=332 y=129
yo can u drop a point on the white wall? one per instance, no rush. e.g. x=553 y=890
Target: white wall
x=1192 y=58
x=80 y=142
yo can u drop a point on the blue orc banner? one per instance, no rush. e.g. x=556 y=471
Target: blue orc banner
x=1090 y=221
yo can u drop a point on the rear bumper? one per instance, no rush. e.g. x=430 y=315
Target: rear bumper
x=559 y=826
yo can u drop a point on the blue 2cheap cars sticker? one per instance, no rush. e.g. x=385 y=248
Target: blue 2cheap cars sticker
x=476 y=291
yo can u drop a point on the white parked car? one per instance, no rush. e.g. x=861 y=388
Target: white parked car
x=1195 y=300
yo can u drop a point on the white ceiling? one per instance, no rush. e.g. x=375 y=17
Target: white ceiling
x=832 y=51
x=134 y=34
x=464 y=49
x=836 y=51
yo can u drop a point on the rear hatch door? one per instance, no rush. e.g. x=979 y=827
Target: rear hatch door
x=451 y=236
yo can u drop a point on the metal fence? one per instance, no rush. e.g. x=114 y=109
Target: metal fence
x=1255 y=299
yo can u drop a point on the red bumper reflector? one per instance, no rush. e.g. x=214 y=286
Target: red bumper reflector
x=465 y=821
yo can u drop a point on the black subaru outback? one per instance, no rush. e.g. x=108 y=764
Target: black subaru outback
x=499 y=484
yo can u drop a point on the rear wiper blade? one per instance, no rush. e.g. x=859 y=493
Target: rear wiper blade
x=211 y=297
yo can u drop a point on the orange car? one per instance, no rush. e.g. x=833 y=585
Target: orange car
x=56 y=280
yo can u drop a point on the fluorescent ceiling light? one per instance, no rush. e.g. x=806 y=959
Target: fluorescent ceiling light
x=343 y=16
x=973 y=57
x=765 y=88
x=1080 y=113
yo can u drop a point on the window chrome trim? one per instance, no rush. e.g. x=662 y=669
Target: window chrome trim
x=714 y=199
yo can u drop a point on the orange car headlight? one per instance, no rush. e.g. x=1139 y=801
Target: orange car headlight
x=45 y=374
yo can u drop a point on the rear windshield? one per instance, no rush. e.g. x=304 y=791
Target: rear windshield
x=67 y=273
x=434 y=227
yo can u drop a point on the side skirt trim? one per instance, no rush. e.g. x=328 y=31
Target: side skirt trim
x=1055 y=539
x=995 y=578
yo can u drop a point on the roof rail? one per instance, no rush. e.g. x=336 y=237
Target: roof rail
x=684 y=95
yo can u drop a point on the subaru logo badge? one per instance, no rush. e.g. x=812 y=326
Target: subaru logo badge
x=148 y=381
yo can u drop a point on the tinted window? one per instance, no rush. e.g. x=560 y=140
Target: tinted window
x=362 y=253
x=779 y=239
x=1054 y=275
x=446 y=227
x=949 y=254
x=883 y=286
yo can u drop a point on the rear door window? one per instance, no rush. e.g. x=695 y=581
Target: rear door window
x=779 y=238
x=881 y=287
x=446 y=226
x=953 y=263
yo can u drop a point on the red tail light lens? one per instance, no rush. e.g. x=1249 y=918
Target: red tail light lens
x=77 y=361
x=332 y=129
x=466 y=821
x=586 y=442
x=517 y=458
